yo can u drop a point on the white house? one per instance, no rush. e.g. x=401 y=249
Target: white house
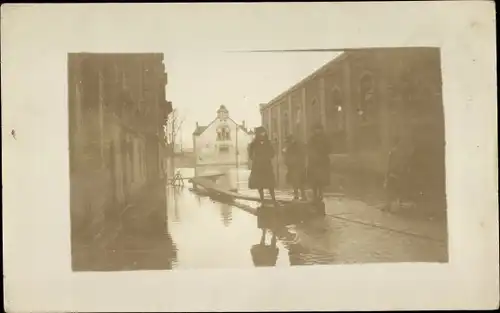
x=222 y=142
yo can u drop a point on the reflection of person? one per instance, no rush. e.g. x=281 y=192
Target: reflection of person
x=318 y=170
x=261 y=152
x=265 y=255
x=262 y=254
x=295 y=163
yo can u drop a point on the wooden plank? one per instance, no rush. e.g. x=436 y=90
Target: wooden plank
x=212 y=186
x=289 y=212
x=204 y=176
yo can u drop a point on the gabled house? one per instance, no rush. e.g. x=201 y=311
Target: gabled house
x=223 y=141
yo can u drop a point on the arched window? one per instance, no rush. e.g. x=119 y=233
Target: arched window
x=219 y=134
x=284 y=122
x=335 y=110
x=366 y=108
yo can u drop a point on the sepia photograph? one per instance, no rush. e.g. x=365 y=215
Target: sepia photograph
x=236 y=157
x=345 y=165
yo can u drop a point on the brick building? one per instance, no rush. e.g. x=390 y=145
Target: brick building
x=117 y=108
x=364 y=99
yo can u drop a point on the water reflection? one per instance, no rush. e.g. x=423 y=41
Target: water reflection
x=226 y=213
x=138 y=239
x=174 y=193
x=263 y=254
x=178 y=229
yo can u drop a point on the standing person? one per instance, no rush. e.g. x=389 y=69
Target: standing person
x=394 y=177
x=318 y=169
x=295 y=161
x=261 y=153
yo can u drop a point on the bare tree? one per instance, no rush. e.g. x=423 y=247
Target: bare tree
x=172 y=128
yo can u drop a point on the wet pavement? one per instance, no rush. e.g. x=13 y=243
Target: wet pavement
x=189 y=231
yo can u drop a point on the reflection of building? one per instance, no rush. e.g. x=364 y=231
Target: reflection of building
x=116 y=111
x=364 y=99
x=230 y=177
x=143 y=241
x=223 y=141
x=226 y=212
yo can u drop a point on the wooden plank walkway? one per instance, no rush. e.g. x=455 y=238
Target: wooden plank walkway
x=212 y=187
x=290 y=207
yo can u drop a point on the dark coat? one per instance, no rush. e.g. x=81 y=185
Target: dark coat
x=318 y=170
x=261 y=154
x=397 y=171
x=295 y=161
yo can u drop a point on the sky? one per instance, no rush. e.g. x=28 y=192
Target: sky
x=199 y=82
x=195 y=39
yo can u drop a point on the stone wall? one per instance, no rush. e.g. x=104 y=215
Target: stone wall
x=115 y=109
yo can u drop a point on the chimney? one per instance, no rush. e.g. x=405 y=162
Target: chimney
x=243 y=124
x=197 y=125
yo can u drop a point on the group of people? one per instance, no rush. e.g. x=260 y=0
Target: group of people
x=309 y=165
x=306 y=164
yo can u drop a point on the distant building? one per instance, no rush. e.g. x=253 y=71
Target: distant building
x=223 y=141
x=117 y=109
x=365 y=99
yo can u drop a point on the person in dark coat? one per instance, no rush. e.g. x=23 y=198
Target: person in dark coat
x=318 y=169
x=397 y=168
x=261 y=153
x=295 y=161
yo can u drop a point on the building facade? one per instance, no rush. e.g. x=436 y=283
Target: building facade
x=364 y=99
x=223 y=141
x=117 y=108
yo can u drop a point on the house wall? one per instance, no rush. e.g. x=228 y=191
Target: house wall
x=207 y=148
x=116 y=105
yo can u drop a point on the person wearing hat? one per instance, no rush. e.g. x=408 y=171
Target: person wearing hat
x=261 y=153
x=318 y=169
x=396 y=172
x=295 y=161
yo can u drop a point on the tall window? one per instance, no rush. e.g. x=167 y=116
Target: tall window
x=223 y=133
x=297 y=120
x=314 y=109
x=367 y=109
x=274 y=127
x=368 y=136
x=284 y=122
x=336 y=120
x=274 y=132
x=335 y=111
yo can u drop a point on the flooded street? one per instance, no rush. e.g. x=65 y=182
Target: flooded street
x=210 y=234
x=175 y=228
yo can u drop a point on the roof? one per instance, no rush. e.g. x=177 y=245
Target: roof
x=201 y=129
x=345 y=53
x=245 y=129
x=222 y=108
x=304 y=80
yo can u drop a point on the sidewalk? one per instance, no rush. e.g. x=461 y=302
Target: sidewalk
x=360 y=212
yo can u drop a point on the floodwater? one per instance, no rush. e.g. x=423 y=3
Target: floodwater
x=209 y=234
x=184 y=230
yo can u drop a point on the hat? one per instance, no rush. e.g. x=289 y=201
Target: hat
x=260 y=129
